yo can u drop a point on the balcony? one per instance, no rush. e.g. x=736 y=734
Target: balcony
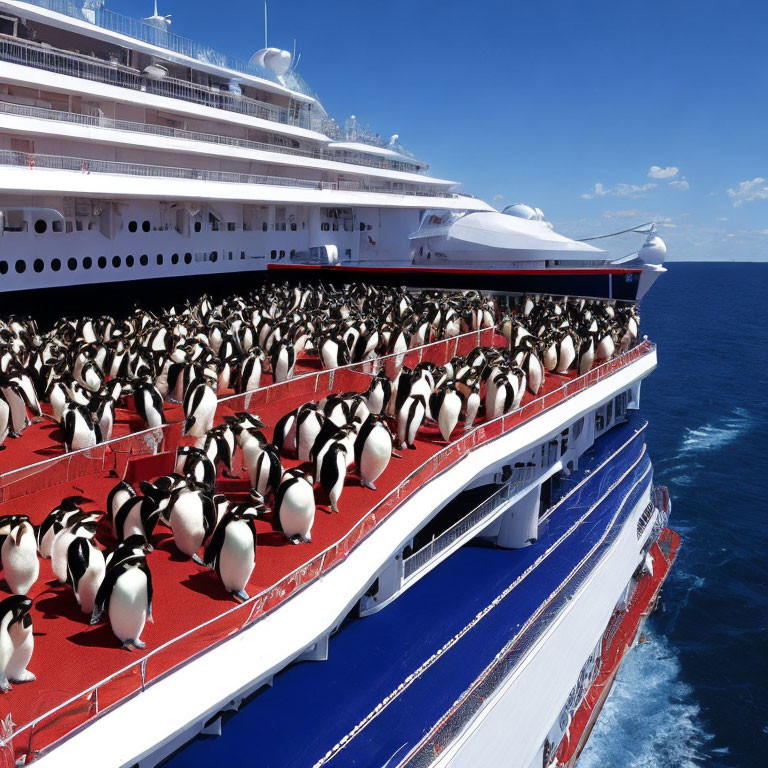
x=87 y=166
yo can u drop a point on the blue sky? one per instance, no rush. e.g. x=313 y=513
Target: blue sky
x=564 y=104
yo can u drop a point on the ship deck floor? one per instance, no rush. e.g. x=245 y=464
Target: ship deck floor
x=371 y=657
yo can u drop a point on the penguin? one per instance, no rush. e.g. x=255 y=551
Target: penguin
x=334 y=352
x=17 y=641
x=149 y=404
x=218 y=444
x=232 y=550
x=373 y=450
x=409 y=418
x=499 y=399
x=125 y=594
x=118 y=496
x=284 y=434
x=192 y=515
x=199 y=408
x=294 y=511
x=379 y=393
x=269 y=470
x=471 y=404
x=194 y=462
x=55 y=520
x=5 y=420
x=446 y=407
x=332 y=470
x=81 y=524
x=19 y=556
x=336 y=409
x=586 y=354
x=137 y=517
x=85 y=571
x=283 y=360
x=566 y=353
x=103 y=414
x=79 y=429
x=249 y=376
x=13 y=395
x=309 y=423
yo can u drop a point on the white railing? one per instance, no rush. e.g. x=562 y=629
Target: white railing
x=89 y=165
x=483 y=510
x=148 y=33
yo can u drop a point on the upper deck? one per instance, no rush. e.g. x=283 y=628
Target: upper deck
x=193 y=613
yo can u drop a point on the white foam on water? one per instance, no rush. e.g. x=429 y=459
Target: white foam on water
x=650 y=719
x=713 y=436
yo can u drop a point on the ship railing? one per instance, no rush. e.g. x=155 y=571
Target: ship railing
x=415 y=562
x=41 y=56
x=100 y=121
x=89 y=165
x=96 y=14
x=40 y=733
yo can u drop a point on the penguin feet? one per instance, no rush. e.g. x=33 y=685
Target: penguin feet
x=197 y=559
x=366 y=484
x=25 y=676
x=411 y=447
x=5 y=686
x=295 y=539
x=334 y=508
x=306 y=539
x=241 y=596
x=396 y=455
x=129 y=645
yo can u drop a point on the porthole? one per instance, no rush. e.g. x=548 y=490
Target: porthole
x=129 y=261
x=293 y=252
x=187 y=258
x=144 y=260
x=55 y=265
x=145 y=226
x=38 y=265
x=214 y=256
x=102 y=262
x=72 y=264
x=3 y=267
x=362 y=226
x=293 y=226
x=41 y=225
x=159 y=259
x=132 y=226
x=87 y=262
x=21 y=266
x=116 y=262
x=264 y=227
x=198 y=226
x=273 y=255
x=175 y=258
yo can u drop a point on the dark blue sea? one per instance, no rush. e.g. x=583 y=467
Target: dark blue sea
x=697 y=693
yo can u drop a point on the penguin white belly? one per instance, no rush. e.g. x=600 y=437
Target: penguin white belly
x=90 y=581
x=251 y=452
x=567 y=355
x=449 y=415
x=297 y=511
x=308 y=432
x=204 y=414
x=236 y=559
x=20 y=563
x=375 y=457
x=154 y=417
x=128 y=605
x=550 y=357
x=375 y=400
x=23 y=646
x=473 y=405
x=535 y=374
x=58 y=400
x=59 y=554
x=187 y=525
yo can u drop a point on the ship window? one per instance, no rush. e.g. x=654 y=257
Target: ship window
x=362 y=226
x=21 y=266
x=145 y=226
x=214 y=256
x=231 y=226
x=132 y=226
x=55 y=265
x=78 y=225
x=242 y=254
x=282 y=254
x=325 y=226
x=144 y=260
x=3 y=267
x=264 y=227
x=187 y=258
x=160 y=259
x=102 y=262
x=57 y=226
x=198 y=226
x=577 y=428
x=129 y=261
x=175 y=258
x=293 y=252
x=38 y=265
x=115 y=261
x=335 y=226
x=41 y=225
x=293 y=226
x=609 y=417
x=87 y=262
x=69 y=226
x=348 y=253
x=71 y=263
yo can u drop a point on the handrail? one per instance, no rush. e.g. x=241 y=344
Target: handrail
x=42 y=113
x=90 y=165
x=267 y=600
x=96 y=14
x=420 y=558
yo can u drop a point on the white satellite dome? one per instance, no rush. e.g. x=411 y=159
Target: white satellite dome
x=654 y=250
x=521 y=211
x=277 y=60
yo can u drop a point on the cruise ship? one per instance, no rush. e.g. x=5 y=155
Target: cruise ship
x=227 y=318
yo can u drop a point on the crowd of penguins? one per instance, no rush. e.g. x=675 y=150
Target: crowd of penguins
x=343 y=435
x=84 y=368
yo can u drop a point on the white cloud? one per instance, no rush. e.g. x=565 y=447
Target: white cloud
x=497 y=197
x=620 y=190
x=630 y=213
x=755 y=189
x=657 y=172
x=682 y=185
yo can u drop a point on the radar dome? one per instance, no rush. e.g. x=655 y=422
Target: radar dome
x=654 y=250
x=521 y=211
x=273 y=58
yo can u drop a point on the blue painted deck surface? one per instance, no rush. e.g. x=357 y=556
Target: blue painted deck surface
x=313 y=705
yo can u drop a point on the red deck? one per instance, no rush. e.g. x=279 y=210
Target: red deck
x=97 y=673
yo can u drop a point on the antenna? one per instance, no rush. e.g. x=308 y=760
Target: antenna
x=155 y=8
x=265 y=24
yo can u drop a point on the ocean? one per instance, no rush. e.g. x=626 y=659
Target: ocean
x=697 y=693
